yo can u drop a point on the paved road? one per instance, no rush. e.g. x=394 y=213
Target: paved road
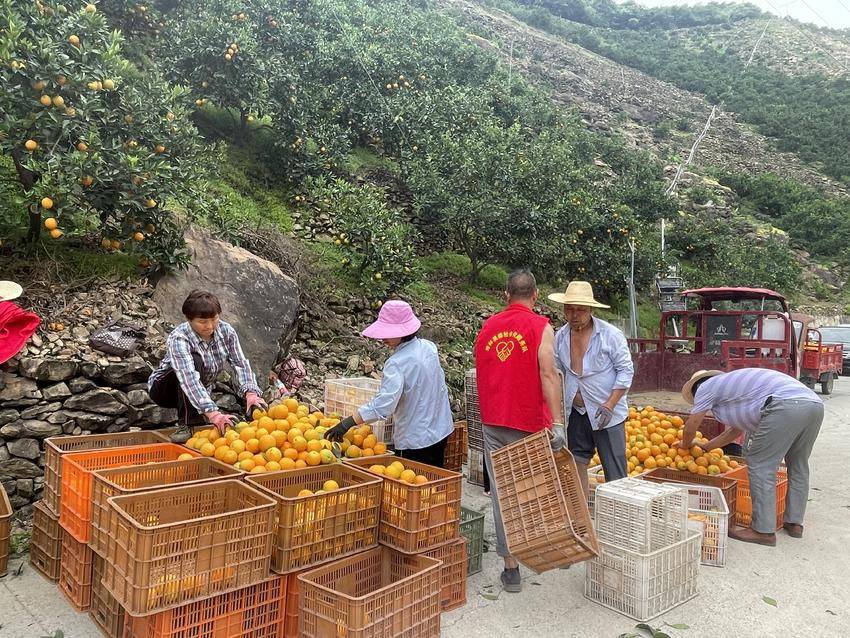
x=808 y=578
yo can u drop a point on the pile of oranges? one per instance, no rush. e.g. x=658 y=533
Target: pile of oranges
x=287 y=437
x=653 y=440
x=396 y=470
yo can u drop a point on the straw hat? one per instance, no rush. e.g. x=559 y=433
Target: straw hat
x=10 y=290
x=579 y=293
x=699 y=375
x=396 y=319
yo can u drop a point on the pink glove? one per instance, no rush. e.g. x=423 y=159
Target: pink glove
x=253 y=400
x=220 y=421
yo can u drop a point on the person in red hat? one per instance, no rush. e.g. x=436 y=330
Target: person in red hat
x=413 y=389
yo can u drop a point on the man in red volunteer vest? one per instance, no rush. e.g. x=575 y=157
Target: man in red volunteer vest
x=518 y=387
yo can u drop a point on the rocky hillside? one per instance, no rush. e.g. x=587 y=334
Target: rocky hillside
x=619 y=98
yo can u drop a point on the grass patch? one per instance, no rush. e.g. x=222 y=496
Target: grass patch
x=454 y=264
x=421 y=291
x=361 y=158
x=67 y=263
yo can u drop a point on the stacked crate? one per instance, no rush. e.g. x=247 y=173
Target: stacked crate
x=345 y=395
x=5 y=530
x=46 y=542
x=649 y=560
x=474 y=430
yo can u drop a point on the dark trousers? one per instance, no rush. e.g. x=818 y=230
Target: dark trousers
x=610 y=443
x=167 y=393
x=431 y=455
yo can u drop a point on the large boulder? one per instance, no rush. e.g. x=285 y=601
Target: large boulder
x=99 y=400
x=49 y=369
x=257 y=298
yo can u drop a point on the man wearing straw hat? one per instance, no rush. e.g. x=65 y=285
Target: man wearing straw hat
x=781 y=418
x=518 y=388
x=594 y=357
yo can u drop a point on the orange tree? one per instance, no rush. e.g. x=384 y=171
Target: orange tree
x=98 y=148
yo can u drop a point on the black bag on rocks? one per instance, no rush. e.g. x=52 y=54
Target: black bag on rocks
x=120 y=340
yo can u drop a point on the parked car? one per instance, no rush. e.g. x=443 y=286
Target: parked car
x=839 y=334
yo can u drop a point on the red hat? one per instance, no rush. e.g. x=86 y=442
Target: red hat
x=16 y=326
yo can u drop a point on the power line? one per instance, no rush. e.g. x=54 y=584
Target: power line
x=790 y=21
x=819 y=16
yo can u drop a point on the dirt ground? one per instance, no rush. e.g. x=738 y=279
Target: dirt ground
x=807 y=578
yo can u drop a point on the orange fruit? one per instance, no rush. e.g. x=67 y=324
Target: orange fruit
x=702 y=461
x=185 y=457
x=247 y=465
x=259 y=459
x=266 y=422
x=230 y=457
x=305 y=492
x=244 y=455
x=273 y=454
x=252 y=445
x=314 y=445
x=650 y=463
x=293 y=434
x=420 y=479
x=192 y=443
x=219 y=452
x=642 y=455
x=207 y=449
x=247 y=433
x=312 y=434
x=330 y=485
x=313 y=458
x=258 y=469
x=266 y=442
x=300 y=443
x=279 y=438
x=273 y=466
x=299 y=464
x=291 y=404
x=353 y=452
x=380 y=448
x=287 y=464
x=290 y=453
x=238 y=445
x=367 y=451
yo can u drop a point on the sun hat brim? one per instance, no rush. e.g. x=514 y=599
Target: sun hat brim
x=380 y=329
x=559 y=297
x=10 y=290
x=687 y=389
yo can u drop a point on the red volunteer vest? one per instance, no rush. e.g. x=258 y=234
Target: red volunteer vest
x=510 y=393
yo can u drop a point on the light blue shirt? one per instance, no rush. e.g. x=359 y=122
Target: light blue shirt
x=607 y=366
x=413 y=391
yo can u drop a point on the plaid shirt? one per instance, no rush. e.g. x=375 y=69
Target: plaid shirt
x=222 y=348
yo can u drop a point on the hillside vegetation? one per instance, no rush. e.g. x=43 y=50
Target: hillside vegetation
x=381 y=133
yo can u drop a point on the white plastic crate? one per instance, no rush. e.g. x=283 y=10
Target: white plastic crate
x=709 y=515
x=474 y=431
x=595 y=476
x=644 y=586
x=345 y=395
x=640 y=516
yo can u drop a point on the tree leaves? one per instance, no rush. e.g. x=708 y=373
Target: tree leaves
x=769 y=601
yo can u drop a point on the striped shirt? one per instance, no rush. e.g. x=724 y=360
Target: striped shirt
x=607 y=366
x=222 y=348
x=413 y=391
x=736 y=398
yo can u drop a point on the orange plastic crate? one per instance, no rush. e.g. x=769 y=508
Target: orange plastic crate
x=251 y=612
x=452 y=573
x=321 y=527
x=5 y=529
x=175 y=546
x=293 y=606
x=377 y=593
x=725 y=483
x=744 y=502
x=75 y=573
x=416 y=518
x=56 y=446
x=77 y=468
x=105 y=610
x=142 y=478
x=455 y=453
x=46 y=542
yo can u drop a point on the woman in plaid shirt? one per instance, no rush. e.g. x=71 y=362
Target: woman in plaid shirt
x=197 y=350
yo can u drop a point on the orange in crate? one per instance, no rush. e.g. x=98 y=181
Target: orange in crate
x=77 y=468
x=57 y=446
x=380 y=592
x=75 y=573
x=744 y=502
x=416 y=518
x=174 y=546
x=251 y=612
x=143 y=478
x=323 y=525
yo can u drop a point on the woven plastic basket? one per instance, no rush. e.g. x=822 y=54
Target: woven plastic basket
x=547 y=524
x=256 y=611
x=472 y=528
x=46 y=542
x=105 y=610
x=380 y=592
x=321 y=527
x=726 y=484
x=56 y=446
x=455 y=453
x=644 y=586
x=5 y=530
x=475 y=432
x=77 y=467
x=345 y=395
x=174 y=546
x=744 y=501
x=143 y=478
x=416 y=518
x=75 y=572
x=475 y=468
x=640 y=516
x=452 y=574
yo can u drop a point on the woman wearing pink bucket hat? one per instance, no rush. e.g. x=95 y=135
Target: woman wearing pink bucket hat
x=413 y=389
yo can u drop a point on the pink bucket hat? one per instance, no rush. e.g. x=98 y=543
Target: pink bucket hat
x=395 y=320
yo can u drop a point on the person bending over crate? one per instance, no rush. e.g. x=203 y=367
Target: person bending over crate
x=780 y=418
x=594 y=357
x=518 y=388
x=196 y=351
x=413 y=389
